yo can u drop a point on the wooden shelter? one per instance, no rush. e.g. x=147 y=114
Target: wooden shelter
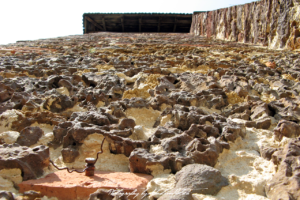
x=137 y=22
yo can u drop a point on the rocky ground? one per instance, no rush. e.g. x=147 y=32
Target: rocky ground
x=208 y=119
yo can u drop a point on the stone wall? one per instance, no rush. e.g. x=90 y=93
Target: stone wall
x=272 y=23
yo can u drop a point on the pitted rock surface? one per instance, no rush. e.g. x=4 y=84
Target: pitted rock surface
x=30 y=161
x=163 y=101
x=285 y=183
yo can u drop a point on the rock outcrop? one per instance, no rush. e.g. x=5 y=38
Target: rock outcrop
x=285 y=183
x=163 y=102
x=269 y=23
x=30 y=161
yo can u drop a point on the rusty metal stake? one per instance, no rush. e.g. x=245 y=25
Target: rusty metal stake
x=89 y=167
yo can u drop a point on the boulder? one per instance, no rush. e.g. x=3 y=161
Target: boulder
x=30 y=136
x=201 y=179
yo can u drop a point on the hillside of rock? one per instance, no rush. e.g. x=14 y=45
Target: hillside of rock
x=272 y=23
x=208 y=119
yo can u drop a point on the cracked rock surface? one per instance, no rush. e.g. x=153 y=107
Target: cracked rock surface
x=164 y=102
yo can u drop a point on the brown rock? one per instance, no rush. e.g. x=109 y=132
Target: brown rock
x=162 y=132
x=259 y=110
x=44 y=117
x=30 y=136
x=76 y=132
x=246 y=23
x=232 y=132
x=182 y=150
x=127 y=123
x=204 y=151
x=241 y=91
x=194 y=131
x=140 y=160
x=285 y=183
x=267 y=152
x=263 y=123
x=5 y=92
x=30 y=161
x=286 y=128
x=176 y=143
x=90 y=117
x=69 y=154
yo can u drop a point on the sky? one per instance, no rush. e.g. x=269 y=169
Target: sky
x=37 y=19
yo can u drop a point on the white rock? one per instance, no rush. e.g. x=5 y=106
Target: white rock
x=9 y=137
x=7 y=118
x=9 y=178
x=63 y=91
x=246 y=171
x=160 y=184
x=145 y=118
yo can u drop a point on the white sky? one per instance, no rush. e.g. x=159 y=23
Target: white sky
x=36 y=19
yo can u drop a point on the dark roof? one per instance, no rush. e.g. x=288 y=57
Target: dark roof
x=137 y=22
x=138 y=13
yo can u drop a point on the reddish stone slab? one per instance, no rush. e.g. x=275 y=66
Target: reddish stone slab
x=70 y=186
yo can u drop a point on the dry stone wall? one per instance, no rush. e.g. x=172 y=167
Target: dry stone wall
x=272 y=23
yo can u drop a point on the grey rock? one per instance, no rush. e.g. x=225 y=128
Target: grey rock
x=201 y=179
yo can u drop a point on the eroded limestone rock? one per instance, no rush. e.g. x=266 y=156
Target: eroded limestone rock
x=285 y=183
x=30 y=161
x=162 y=101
